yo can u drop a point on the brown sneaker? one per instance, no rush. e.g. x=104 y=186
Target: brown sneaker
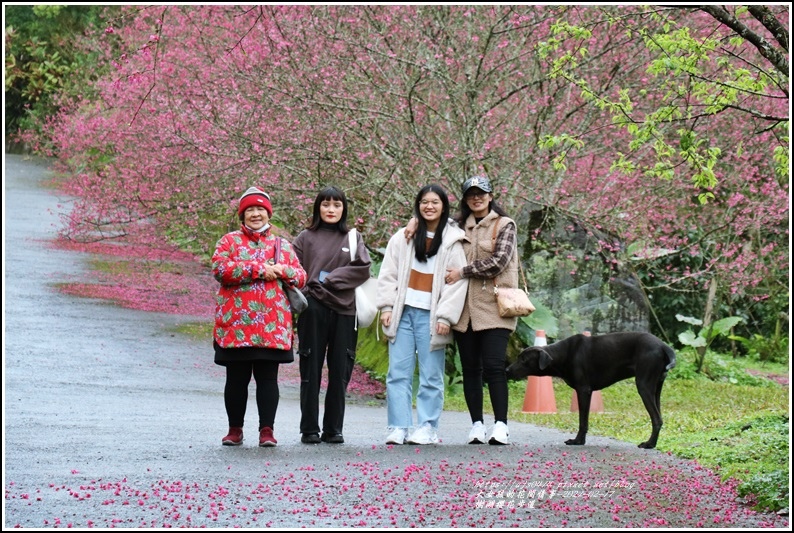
x=234 y=438
x=266 y=437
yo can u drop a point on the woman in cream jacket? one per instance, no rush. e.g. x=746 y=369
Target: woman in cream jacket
x=418 y=309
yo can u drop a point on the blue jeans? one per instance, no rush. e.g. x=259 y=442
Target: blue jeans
x=412 y=342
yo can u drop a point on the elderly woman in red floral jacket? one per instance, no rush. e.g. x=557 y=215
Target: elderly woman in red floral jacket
x=253 y=323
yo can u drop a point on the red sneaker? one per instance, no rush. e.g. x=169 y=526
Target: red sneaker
x=234 y=438
x=266 y=437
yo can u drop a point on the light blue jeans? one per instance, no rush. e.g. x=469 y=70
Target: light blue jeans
x=412 y=342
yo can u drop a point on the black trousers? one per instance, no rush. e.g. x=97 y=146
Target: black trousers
x=235 y=393
x=324 y=333
x=482 y=357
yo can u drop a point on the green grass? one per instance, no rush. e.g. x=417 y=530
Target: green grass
x=128 y=266
x=200 y=331
x=735 y=424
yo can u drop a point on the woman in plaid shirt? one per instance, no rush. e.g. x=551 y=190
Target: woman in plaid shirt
x=481 y=334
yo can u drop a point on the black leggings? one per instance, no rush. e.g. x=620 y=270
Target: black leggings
x=482 y=357
x=235 y=394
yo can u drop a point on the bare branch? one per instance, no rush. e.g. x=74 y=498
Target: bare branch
x=259 y=17
x=154 y=67
x=758 y=114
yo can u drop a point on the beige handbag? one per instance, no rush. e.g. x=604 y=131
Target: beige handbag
x=513 y=302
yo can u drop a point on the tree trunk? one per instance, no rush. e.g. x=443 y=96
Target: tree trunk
x=707 y=319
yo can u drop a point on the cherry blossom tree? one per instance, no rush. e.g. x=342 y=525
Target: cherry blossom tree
x=612 y=115
x=710 y=106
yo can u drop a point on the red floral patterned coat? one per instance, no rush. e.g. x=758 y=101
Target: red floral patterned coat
x=249 y=310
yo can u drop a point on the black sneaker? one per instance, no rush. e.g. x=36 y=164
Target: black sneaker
x=335 y=438
x=310 y=438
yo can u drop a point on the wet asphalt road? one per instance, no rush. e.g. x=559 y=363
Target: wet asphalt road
x=110 y=420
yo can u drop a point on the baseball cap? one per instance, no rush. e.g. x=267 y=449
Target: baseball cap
x=479 y=182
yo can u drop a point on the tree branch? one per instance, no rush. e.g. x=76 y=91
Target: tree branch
x=154 y=66
x=259 y=17
x=765 y=17
x=764 y=48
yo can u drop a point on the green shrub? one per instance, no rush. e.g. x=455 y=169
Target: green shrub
x=753 y=450
x=718 y=367
x=766 y=491
x=765 y=349
x=372 y=351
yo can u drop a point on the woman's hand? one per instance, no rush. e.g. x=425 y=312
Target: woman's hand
x=441 y=328
x=385 y=318
x=453 y=275
x=273 y=272
x=410 y=228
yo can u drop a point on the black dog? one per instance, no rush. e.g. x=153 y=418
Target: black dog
x=589 y=364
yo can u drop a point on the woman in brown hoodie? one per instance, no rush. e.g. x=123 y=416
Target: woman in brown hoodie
x=327 y=328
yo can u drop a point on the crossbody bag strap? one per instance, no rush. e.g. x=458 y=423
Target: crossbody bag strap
x=523 y=277
x=277 y=248
x=352 y=243
x=276 y=257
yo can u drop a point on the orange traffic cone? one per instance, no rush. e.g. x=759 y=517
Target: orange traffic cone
x=596 y=402
x=539 y=397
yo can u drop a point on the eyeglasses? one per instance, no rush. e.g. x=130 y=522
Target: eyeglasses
x=481 y=194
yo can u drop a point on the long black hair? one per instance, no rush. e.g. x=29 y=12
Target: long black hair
x=329 y=193
x=421 y=251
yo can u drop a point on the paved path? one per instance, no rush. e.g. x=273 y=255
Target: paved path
x=110 y=420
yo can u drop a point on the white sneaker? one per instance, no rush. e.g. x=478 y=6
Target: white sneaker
x=426 y=434
x=397 y=436
x=499 y=434
x=477 y=434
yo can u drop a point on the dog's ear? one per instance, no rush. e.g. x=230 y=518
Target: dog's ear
x=544 y=359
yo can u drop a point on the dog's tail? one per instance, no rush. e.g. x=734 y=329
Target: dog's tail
x=670 y=353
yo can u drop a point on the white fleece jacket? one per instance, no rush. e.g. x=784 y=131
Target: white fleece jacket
x=447 y=301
